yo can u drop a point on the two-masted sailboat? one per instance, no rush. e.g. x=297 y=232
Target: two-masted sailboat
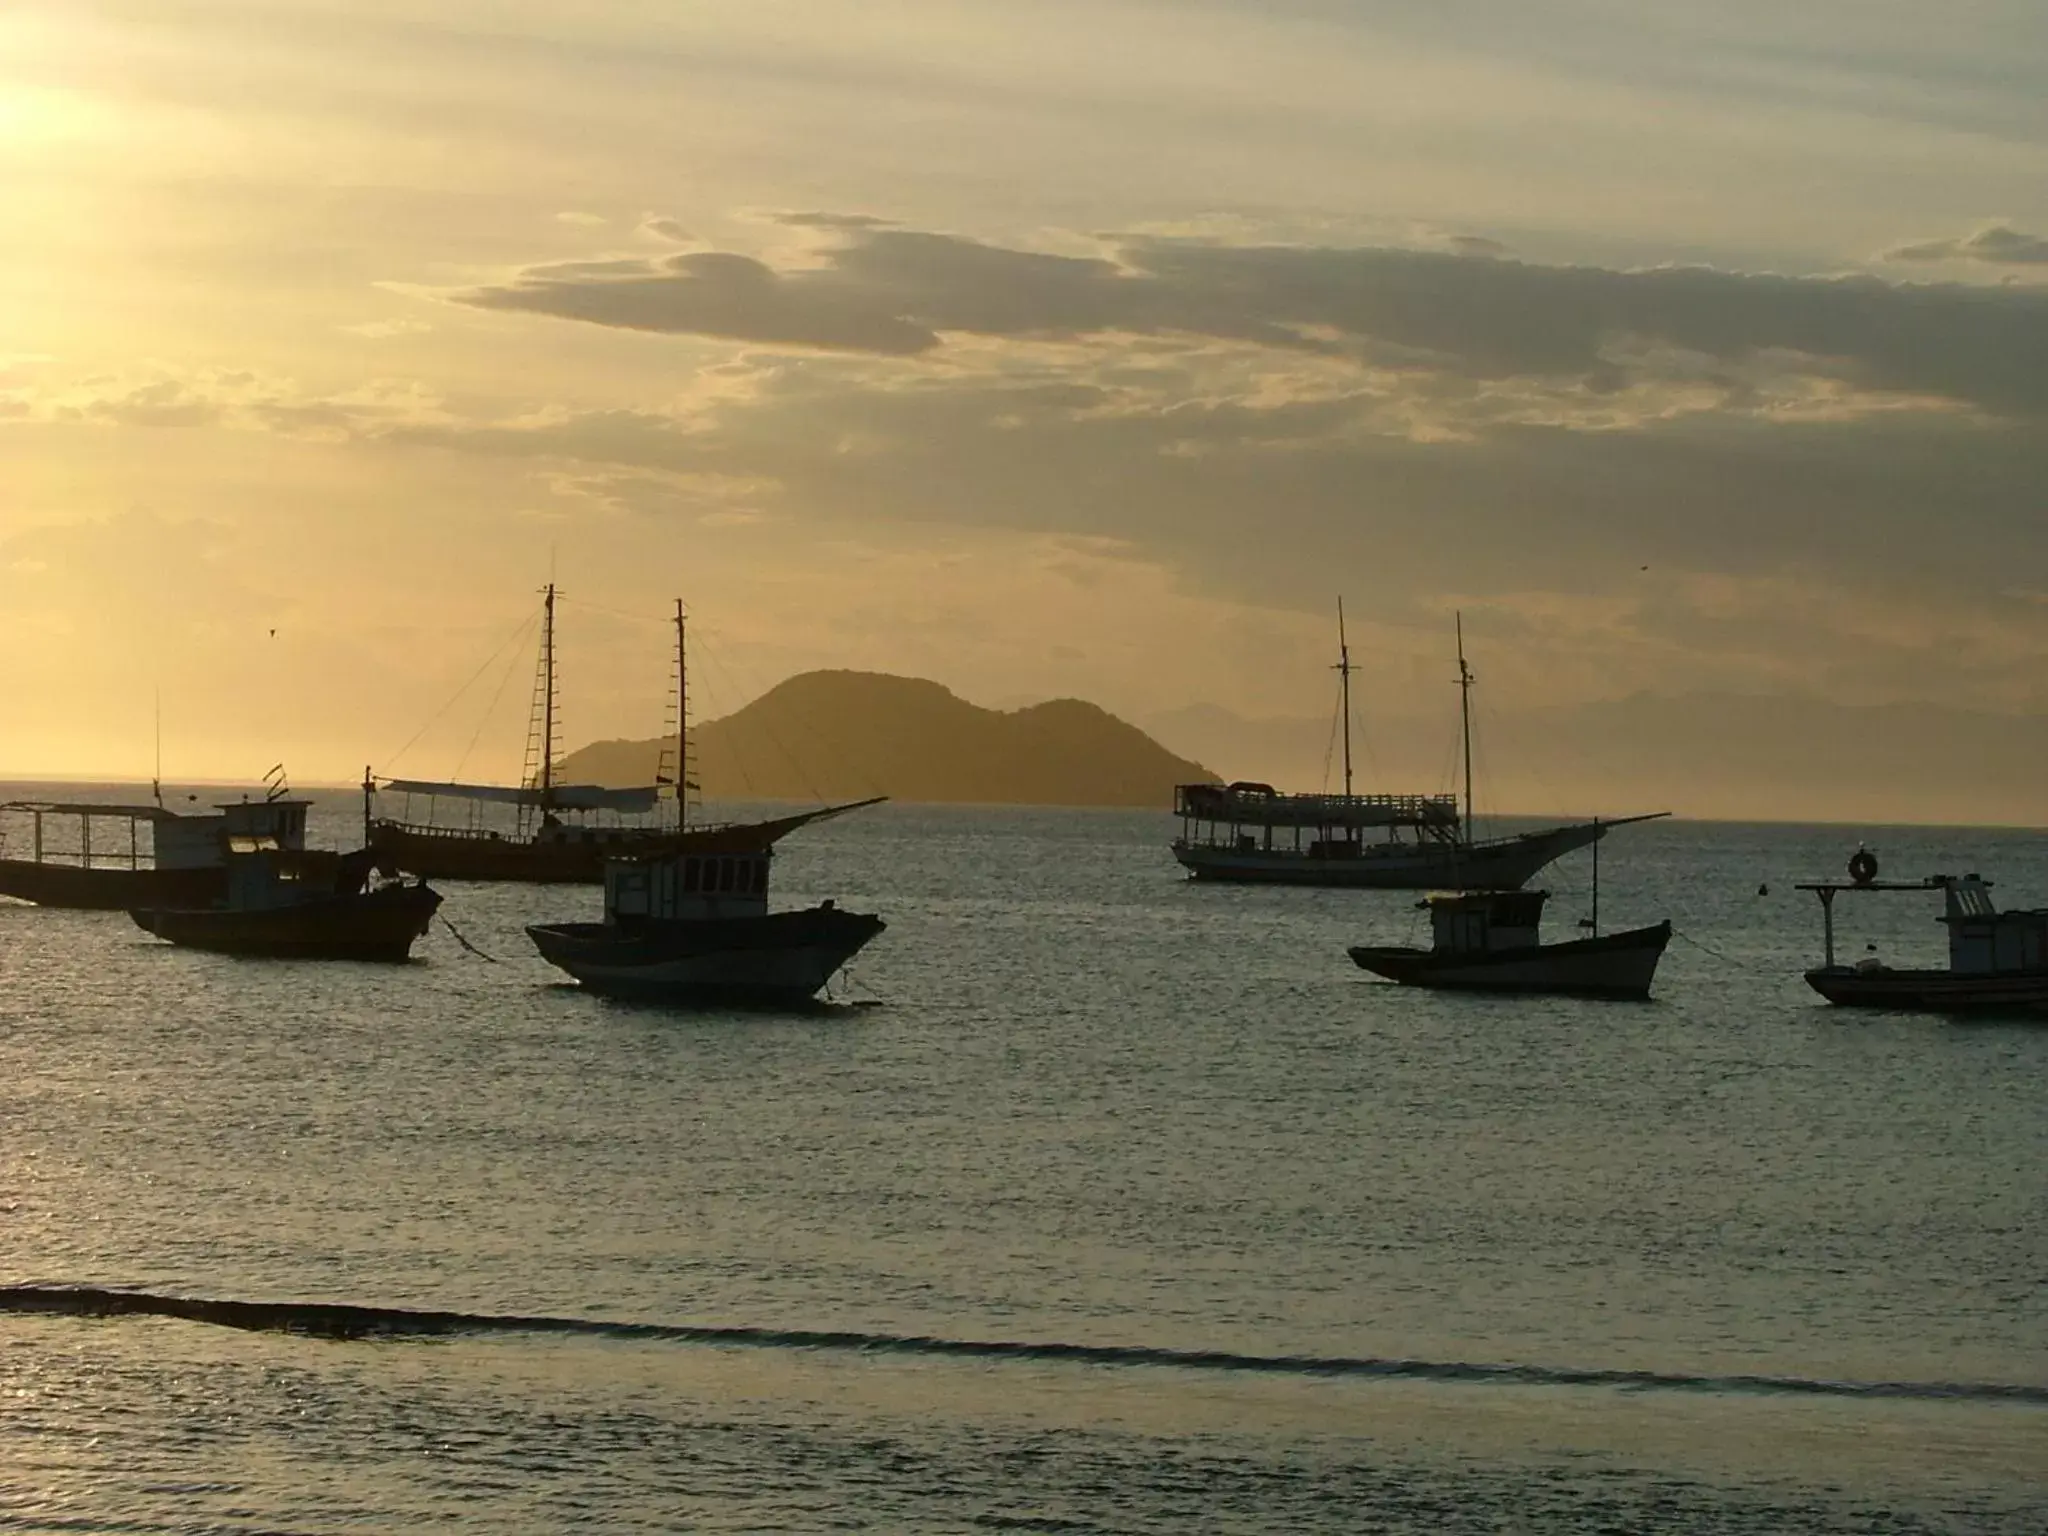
x=554 y=835
x=1251 y=833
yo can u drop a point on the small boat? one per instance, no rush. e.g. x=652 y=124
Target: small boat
x=691 y=925
x=1252 y=834
x=1997 y=961
x=285 y=901
x=1486 y=941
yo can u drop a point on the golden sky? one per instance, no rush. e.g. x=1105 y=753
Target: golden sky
x=1040 y=349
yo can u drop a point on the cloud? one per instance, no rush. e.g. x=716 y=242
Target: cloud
x=1995 y=244
x=910 y=293
x=710 y=293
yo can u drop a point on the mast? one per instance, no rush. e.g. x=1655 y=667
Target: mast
x=1465 y=719
x=682 y=722
x=156 y=782
x=547 y=684
x=1343 y=671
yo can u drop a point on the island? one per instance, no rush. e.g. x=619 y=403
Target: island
x=837 y=735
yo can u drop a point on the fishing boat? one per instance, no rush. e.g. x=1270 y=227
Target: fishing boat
x=1488 y=941
x=1251 y=833
x=286 y=901
x=1997 y=961
x=557 y=832
x=691 y=925
x=111 y=858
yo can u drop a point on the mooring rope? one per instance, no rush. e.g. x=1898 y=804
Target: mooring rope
x=1704 y=948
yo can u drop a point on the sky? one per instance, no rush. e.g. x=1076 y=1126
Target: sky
x=1050 y=349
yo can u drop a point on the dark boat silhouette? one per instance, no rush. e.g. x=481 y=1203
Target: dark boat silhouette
x=691 y=925
x=1486 y=941
x=285 y=901
x=551 y=841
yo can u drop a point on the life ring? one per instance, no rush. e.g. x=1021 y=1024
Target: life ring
x=1863 y=866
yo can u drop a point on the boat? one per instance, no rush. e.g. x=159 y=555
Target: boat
x=286 y=901
x=1251 y=833
x=1997 y=961
x=691 y=925
x=552 y=838
x=1487 y=941
x=152 y=857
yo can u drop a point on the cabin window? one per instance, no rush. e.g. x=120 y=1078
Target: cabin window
x=690 y=876
x=724 y=877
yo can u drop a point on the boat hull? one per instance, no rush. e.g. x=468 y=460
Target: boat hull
x=1615 y=965
x=779 y=957
x=376 y=925
x=111 y=890
x=1928 y=991
x=489 y=857
x=1501 y=864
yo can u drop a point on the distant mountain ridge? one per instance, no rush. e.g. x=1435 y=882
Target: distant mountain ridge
x=844 y=735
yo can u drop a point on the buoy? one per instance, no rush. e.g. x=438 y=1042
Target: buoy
x=1863 y=866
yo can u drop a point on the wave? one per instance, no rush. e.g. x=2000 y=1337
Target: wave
x=341 y=1320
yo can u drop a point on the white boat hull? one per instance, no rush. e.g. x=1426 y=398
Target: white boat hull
x=1500 y=864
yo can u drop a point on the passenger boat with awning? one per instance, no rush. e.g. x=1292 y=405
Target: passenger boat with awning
x=1250 y=833
x=1997 y=961
x=90 y=856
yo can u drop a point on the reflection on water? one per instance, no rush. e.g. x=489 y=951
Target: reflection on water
x=1084 y=1104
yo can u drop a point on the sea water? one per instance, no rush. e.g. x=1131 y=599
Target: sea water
x=1096 y=1201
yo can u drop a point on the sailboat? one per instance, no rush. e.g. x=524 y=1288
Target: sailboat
x=551 y=841
x=1250 y=833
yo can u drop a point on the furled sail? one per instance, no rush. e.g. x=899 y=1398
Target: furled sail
x=637 y=801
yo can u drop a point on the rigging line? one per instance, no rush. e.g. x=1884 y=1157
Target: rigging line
x=504 y=682
x=795 y=764
x=1330 y=745
x=524 y=624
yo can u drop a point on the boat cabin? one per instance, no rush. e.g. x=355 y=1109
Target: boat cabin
x=687 y=887
x=1985 y=941
x=1476 y=922
x=268 y=862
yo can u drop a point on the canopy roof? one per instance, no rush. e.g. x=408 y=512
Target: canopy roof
x=562 y=797
x=64 y=808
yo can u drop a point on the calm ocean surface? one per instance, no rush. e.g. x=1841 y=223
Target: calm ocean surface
x=1740 y=1263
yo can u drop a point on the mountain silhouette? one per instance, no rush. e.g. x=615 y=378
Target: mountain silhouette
x=843 y=735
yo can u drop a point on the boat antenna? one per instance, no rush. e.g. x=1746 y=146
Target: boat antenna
x=1596 y=878
x=156 y=780
x=1343 y=670
x=1465 y=681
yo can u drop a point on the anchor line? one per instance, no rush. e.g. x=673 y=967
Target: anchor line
x=1704 y=948
x=456 y=933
